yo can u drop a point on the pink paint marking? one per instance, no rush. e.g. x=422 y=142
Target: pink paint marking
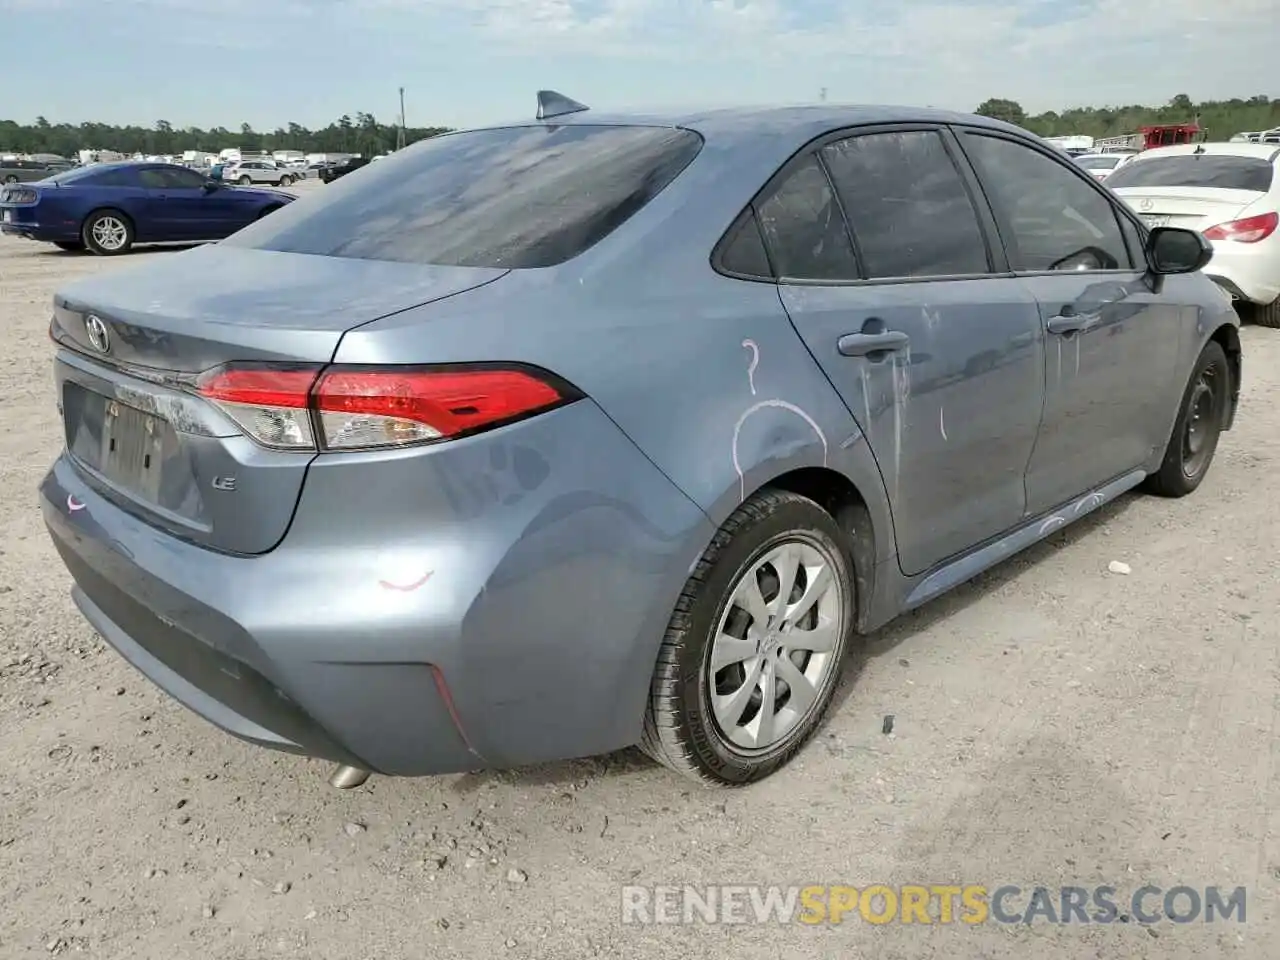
x=406 y=588
x=73 y=504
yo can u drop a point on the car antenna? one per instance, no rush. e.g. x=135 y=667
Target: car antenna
x=552 y=104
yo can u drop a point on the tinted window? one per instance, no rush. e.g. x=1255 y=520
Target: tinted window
x=907 y=205
x=804 y=228
x=514 y=197
x=1196 y=170
x=185 y=179
x=1054 y=217
x=119 y=177
x=153 y=179
x=743 y=250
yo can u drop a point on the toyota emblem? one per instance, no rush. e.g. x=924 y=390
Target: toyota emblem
x=1147 y=204
x=99 y=337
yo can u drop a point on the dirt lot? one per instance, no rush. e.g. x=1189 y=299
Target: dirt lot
x=1055 y=724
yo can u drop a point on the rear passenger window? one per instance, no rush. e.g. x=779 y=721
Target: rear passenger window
x=804 y=228
x=907 y=205
x=743 y=253
x=1057 y=219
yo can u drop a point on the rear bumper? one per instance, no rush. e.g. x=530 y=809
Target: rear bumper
x=43 y=232
x=555 y=552
x=1247 y=271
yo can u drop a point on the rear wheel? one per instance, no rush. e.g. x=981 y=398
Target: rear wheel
x=246 y=181
x=1266 y=314
x=1198 y=427
x=107 y=233
x=286 y=181
x=752 y=655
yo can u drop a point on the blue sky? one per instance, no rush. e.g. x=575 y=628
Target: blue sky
x=469 y=62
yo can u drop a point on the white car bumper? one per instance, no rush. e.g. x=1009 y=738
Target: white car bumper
x=1249 y=270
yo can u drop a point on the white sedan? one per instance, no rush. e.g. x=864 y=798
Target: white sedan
x=1230 y=192
x=1102 y=165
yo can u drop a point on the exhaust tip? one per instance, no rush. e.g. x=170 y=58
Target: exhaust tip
x=347 y=778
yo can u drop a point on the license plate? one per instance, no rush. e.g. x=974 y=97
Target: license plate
x=132 y=451
x=1155 y=219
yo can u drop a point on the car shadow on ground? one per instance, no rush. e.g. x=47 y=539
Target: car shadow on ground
x=56 y=254
x=866 y=649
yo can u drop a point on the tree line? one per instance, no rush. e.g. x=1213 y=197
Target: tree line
x=365 y=134
x=361 y=133
x=1221 y=118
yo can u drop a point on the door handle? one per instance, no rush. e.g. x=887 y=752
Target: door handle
x=862 y=344
x=1065 y=324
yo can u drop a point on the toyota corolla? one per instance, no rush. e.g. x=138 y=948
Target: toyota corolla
x=543 y=440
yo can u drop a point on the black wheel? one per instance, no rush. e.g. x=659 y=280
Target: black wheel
x=752 y=654
x=71 y=246
x=107 y=233
x=1198 y=427
x=246 y=181
x=1266 y=314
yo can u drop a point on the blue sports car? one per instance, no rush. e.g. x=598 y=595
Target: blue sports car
x=108 y=207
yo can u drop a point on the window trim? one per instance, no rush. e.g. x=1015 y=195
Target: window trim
x=997 y=256
x=1118 y=210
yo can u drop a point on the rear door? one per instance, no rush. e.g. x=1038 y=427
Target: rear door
x=936 y=352
x=1112 y=344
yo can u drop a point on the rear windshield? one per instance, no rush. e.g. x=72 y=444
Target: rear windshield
x=1196 y=170
x=513 y=197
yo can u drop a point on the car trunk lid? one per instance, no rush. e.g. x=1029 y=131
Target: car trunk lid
x=1195 y=208
x=135 y=341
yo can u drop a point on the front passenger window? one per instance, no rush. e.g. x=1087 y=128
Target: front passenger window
x=1056 y=220
x=805 y=230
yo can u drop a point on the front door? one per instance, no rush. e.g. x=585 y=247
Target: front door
x=1111 y=347
x=939 y=360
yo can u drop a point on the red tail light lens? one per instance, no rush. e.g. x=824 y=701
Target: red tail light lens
x=1248 y=230
x=361 y=408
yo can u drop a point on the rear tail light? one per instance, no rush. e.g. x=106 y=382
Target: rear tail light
x=367 y=408
x=1248 y=230
x=19 y=195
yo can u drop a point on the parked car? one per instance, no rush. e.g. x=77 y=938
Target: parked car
x=24 y=171
x=1101 y=165
x=538 y=441
x=108 y=207
x=334 y=171
x=248 y=172
x=1230 y=192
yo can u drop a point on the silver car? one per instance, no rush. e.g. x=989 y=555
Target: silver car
x=259 y=171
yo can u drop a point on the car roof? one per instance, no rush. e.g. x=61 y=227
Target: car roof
x=1262 y=151
x=803 y=122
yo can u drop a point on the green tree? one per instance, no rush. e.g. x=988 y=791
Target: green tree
x=1010 y=111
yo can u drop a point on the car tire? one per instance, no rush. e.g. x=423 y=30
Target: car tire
x=1266 y=314
x=71 y=246
x=691 y=723
x=245 y=181
x=11 y=179
x=285 y=181
x=107 y=233
x=1201 y=415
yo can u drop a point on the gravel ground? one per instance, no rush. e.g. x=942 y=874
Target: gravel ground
x=1055 y=723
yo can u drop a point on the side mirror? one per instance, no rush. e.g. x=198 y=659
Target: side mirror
x=1173 y=250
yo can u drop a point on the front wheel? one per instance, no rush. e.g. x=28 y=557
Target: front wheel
x=286 y=181
x=1199 y=425
x=108 y=233
x=752 y=655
